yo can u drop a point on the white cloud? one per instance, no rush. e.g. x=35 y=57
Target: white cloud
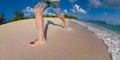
x=111 y=3
x=105 y=3
x=78 y=10
x=65 y=11
x=72 y=1
x=95 y=3
x=105 y=13
x=46 y=11
x=51 y=14
x=28 y=11
x=62 y=13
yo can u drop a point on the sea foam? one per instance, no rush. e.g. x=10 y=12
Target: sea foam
x=111 y=39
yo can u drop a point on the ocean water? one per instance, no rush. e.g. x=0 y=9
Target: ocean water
x=110 y=26
x=108 y=33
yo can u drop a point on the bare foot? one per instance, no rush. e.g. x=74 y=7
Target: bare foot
x=37 y=42
x=68 y=29
x=65 y=28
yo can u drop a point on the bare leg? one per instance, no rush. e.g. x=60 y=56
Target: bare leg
x=63 y=19
x=39 y=22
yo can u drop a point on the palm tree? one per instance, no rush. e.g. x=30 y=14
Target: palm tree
x=18 y=15
x=2 y=18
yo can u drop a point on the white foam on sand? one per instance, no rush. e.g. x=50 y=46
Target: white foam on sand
x=111 y=39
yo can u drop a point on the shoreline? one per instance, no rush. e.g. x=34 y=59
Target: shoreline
x=110 y=38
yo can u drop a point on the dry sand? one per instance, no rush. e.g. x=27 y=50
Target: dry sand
x=77 y=43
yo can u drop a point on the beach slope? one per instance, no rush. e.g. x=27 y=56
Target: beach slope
x=75 y=43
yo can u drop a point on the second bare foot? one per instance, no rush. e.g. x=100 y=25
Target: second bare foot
x=37 y=42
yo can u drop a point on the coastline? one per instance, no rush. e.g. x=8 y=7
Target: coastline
x=110 y=39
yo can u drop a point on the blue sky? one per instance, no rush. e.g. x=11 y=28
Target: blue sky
x=107 y=10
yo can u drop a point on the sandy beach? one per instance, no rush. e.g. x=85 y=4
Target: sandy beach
x=76 y=43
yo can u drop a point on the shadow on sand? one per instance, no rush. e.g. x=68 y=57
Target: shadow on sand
x=47 y=25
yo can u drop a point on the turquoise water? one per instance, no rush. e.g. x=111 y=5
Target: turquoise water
x=114 y=28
